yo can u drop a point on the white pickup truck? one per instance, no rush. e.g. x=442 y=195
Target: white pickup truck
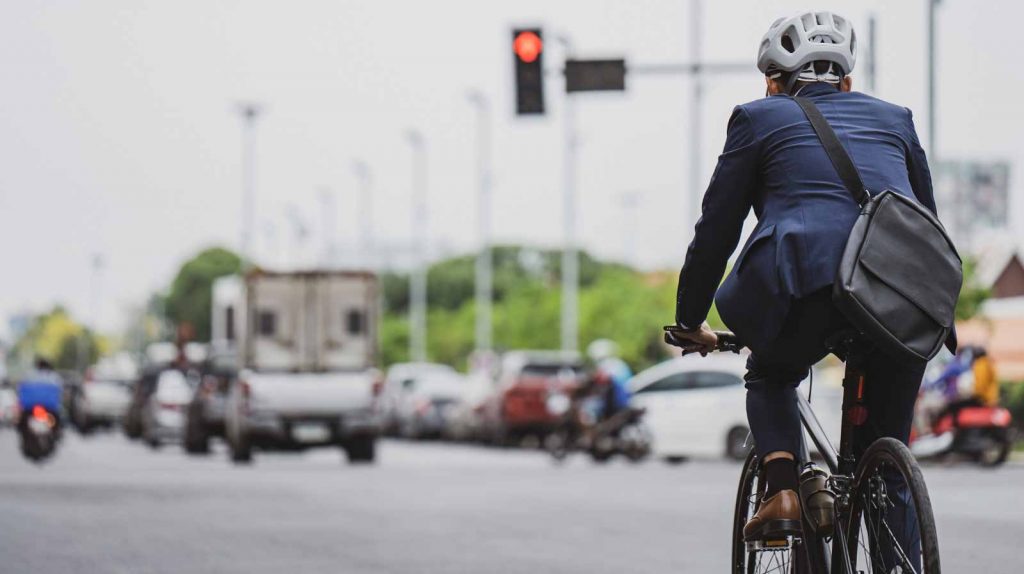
x=306 y=346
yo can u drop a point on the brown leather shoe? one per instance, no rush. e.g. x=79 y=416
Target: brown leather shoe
x=778 y=517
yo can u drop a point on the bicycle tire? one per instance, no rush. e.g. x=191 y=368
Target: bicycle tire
x=869 y=485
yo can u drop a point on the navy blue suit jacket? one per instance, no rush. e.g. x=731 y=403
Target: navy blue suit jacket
x=775 y=164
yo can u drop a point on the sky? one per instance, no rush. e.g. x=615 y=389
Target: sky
x=119 y=135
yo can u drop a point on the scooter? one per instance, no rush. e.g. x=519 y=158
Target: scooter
x=622 y=433
x=980 y=433
x=39 y=421
x=39 y=428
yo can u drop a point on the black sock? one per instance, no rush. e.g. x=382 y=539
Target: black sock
x=780 y=474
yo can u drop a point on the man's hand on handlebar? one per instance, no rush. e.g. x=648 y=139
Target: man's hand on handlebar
x=702 y=341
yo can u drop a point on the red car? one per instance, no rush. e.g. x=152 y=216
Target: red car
x=517 y=406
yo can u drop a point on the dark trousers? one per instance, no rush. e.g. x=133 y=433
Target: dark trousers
x=890 y=390
x=891 y=385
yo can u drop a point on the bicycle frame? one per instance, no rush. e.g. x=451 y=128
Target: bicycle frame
x=841 y=463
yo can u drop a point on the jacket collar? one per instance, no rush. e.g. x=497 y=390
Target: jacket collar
x=818 y=89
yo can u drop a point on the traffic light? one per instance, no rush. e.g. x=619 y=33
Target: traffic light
x=528 y=52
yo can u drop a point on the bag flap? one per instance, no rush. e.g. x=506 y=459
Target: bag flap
x=910 y=254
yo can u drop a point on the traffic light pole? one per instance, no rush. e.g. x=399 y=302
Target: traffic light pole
x=570 y=253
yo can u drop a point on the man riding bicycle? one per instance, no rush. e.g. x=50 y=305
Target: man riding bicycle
x=777 y=299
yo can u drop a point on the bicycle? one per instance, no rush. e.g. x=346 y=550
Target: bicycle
x=850 y=511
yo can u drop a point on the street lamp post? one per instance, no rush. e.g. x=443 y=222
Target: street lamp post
x=362 y=172
x=418 y=281
x=249 y=113
x=629 y=201
x=484 y=260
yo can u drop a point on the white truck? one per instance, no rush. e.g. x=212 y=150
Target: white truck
x=305 y=345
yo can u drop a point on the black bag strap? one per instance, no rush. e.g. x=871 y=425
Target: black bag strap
x=840 y=159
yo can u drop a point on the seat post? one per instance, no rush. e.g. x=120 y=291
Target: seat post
x=854 y=412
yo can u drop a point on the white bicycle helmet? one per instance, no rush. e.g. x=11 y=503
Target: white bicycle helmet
x=795 y=43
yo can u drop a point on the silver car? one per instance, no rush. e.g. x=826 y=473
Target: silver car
x=163 y=416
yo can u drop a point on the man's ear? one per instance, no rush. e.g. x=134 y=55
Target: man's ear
x=773 y=86
x=846 y=84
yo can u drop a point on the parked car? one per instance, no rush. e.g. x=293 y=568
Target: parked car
x=163 y=416
x=103 y=396
x=204 y=418
x=157 y=358
x=465 y=422
x=427 y=402
x=8 y=404
x=696 y=406
x=517 y=405
x=399 y=379
x=100 y=403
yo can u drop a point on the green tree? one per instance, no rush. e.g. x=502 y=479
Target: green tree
x=972 y=293
x=58 y=338
x=190 y=297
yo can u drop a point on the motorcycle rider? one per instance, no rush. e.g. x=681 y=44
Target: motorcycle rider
x=41 y=388
x=986 y=383
x=614 y=372
x=777 y=298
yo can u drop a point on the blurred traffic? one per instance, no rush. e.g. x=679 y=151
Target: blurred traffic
x=251 y=246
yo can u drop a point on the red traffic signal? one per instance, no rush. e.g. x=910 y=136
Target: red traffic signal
x=528 y=46
x=528 y=65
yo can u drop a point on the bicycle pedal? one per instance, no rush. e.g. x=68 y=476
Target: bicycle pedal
x=770 y=545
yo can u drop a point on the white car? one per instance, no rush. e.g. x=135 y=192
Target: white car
x=428 y=403
x=466 y=422
x=399 y=381
x=695 y=406
x=163 y=417
x=100 y=402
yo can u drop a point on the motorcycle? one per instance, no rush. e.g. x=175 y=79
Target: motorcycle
x=39 y=424
x=579 y=430
x=40 y=431
x=980 y=433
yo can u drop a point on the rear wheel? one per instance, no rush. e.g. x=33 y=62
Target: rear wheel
x=240 y=449
x=891 y=527
x=196 y=440
x=795 y=557
x=361 y=449
x=997 y=448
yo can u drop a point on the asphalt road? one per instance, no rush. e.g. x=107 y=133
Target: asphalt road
x=107 y=505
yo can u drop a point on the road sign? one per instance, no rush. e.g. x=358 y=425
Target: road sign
x=595 y=75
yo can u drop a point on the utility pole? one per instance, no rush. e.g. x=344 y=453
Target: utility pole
x=329 y=222
x=932 y=149
x=90 y=325
x=249 y=112
x=366 y=241
x=484 y=260
x=300 y=232
x=696 y=107
x=418 y=281
x=872 y=51
x=629 y=201
x=570 y=253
